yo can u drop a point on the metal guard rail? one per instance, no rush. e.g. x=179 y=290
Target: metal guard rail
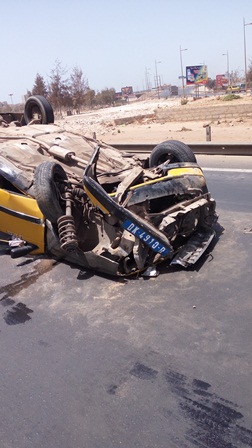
x=231 y=149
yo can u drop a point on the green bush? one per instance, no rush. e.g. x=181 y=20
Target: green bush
x=230 y=97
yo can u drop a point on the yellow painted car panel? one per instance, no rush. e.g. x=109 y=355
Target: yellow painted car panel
x=95 y=201
x=21 y=216
x=173 y=173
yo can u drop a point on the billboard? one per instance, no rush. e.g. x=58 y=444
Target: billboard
x=127 y=90
x=221 y=80
x=196 y=74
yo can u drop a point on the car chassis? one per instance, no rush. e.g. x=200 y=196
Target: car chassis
x=77 y=199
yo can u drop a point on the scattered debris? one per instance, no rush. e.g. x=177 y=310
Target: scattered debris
x=150 y=272
x=184 y=129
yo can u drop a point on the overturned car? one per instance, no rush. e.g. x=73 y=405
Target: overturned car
x=78 y=199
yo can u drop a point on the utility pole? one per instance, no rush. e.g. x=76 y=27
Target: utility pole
x=182 y=74
x=245 y=56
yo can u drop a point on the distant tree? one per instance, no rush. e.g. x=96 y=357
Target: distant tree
x=74 y=92
x=58 y=87
x=249 y=72
x=67 y=101
x=235 y=76
x=89 y=98
x=78 y=87
x=106 y=97
x=210 y=83
x=39 y=87
x=98 y=99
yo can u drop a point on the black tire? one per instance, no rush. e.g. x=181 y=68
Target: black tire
x=47 y=178
x=171 y=150
x=38 y=107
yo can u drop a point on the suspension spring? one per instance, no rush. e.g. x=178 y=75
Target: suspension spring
x=67 y=233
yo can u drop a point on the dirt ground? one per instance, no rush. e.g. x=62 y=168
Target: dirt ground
x=147 y=130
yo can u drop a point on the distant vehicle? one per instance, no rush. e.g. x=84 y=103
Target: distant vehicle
x=236 y=88
x=232 y=89
x=242 y=87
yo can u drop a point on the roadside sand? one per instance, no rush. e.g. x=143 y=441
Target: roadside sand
x=147 y=130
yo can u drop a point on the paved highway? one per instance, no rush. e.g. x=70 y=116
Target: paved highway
x=92 y=362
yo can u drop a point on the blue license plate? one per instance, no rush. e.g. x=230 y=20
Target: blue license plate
x=148 y=239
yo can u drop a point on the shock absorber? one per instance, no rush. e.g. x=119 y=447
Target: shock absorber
x=66 y=227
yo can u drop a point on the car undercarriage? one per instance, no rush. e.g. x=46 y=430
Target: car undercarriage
x=80 y=200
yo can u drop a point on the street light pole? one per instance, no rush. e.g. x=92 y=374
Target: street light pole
x=157 y=62
x=147 y=81
x=245 y=57
x=182 y=75
x=226 y=54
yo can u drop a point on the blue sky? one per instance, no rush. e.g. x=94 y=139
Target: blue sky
x=115 y=41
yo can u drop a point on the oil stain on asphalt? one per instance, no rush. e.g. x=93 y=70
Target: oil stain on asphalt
x=213 y=421
x=143 y=372
x=19 y=313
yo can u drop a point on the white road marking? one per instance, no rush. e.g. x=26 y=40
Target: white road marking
x=228 y=170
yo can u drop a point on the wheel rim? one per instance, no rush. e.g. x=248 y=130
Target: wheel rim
x=167 y=158
x=36 y=113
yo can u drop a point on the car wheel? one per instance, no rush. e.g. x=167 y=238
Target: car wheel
x=37 y=107
x=48 y=178
x=172 y=151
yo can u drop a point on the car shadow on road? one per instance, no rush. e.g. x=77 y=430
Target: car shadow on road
x=162 y=269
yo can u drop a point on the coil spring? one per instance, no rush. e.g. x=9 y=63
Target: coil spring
x=67 y=233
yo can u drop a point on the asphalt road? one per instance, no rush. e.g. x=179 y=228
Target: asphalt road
x=92 y=362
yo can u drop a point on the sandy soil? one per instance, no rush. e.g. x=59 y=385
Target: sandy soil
x=147 y=130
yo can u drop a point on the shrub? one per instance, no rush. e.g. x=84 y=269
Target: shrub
x=230 y=97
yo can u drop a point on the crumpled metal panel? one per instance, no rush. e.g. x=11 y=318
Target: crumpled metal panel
x=194 y=248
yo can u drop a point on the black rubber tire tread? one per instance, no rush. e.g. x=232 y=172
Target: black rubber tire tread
x=44 y=107
x=179 y=151
x=46 y=192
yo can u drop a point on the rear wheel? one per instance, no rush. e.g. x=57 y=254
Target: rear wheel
x=37 y=107
x=48 y=180
x=171 y=151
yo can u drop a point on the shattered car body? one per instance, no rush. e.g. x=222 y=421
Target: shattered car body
x=81 y=200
